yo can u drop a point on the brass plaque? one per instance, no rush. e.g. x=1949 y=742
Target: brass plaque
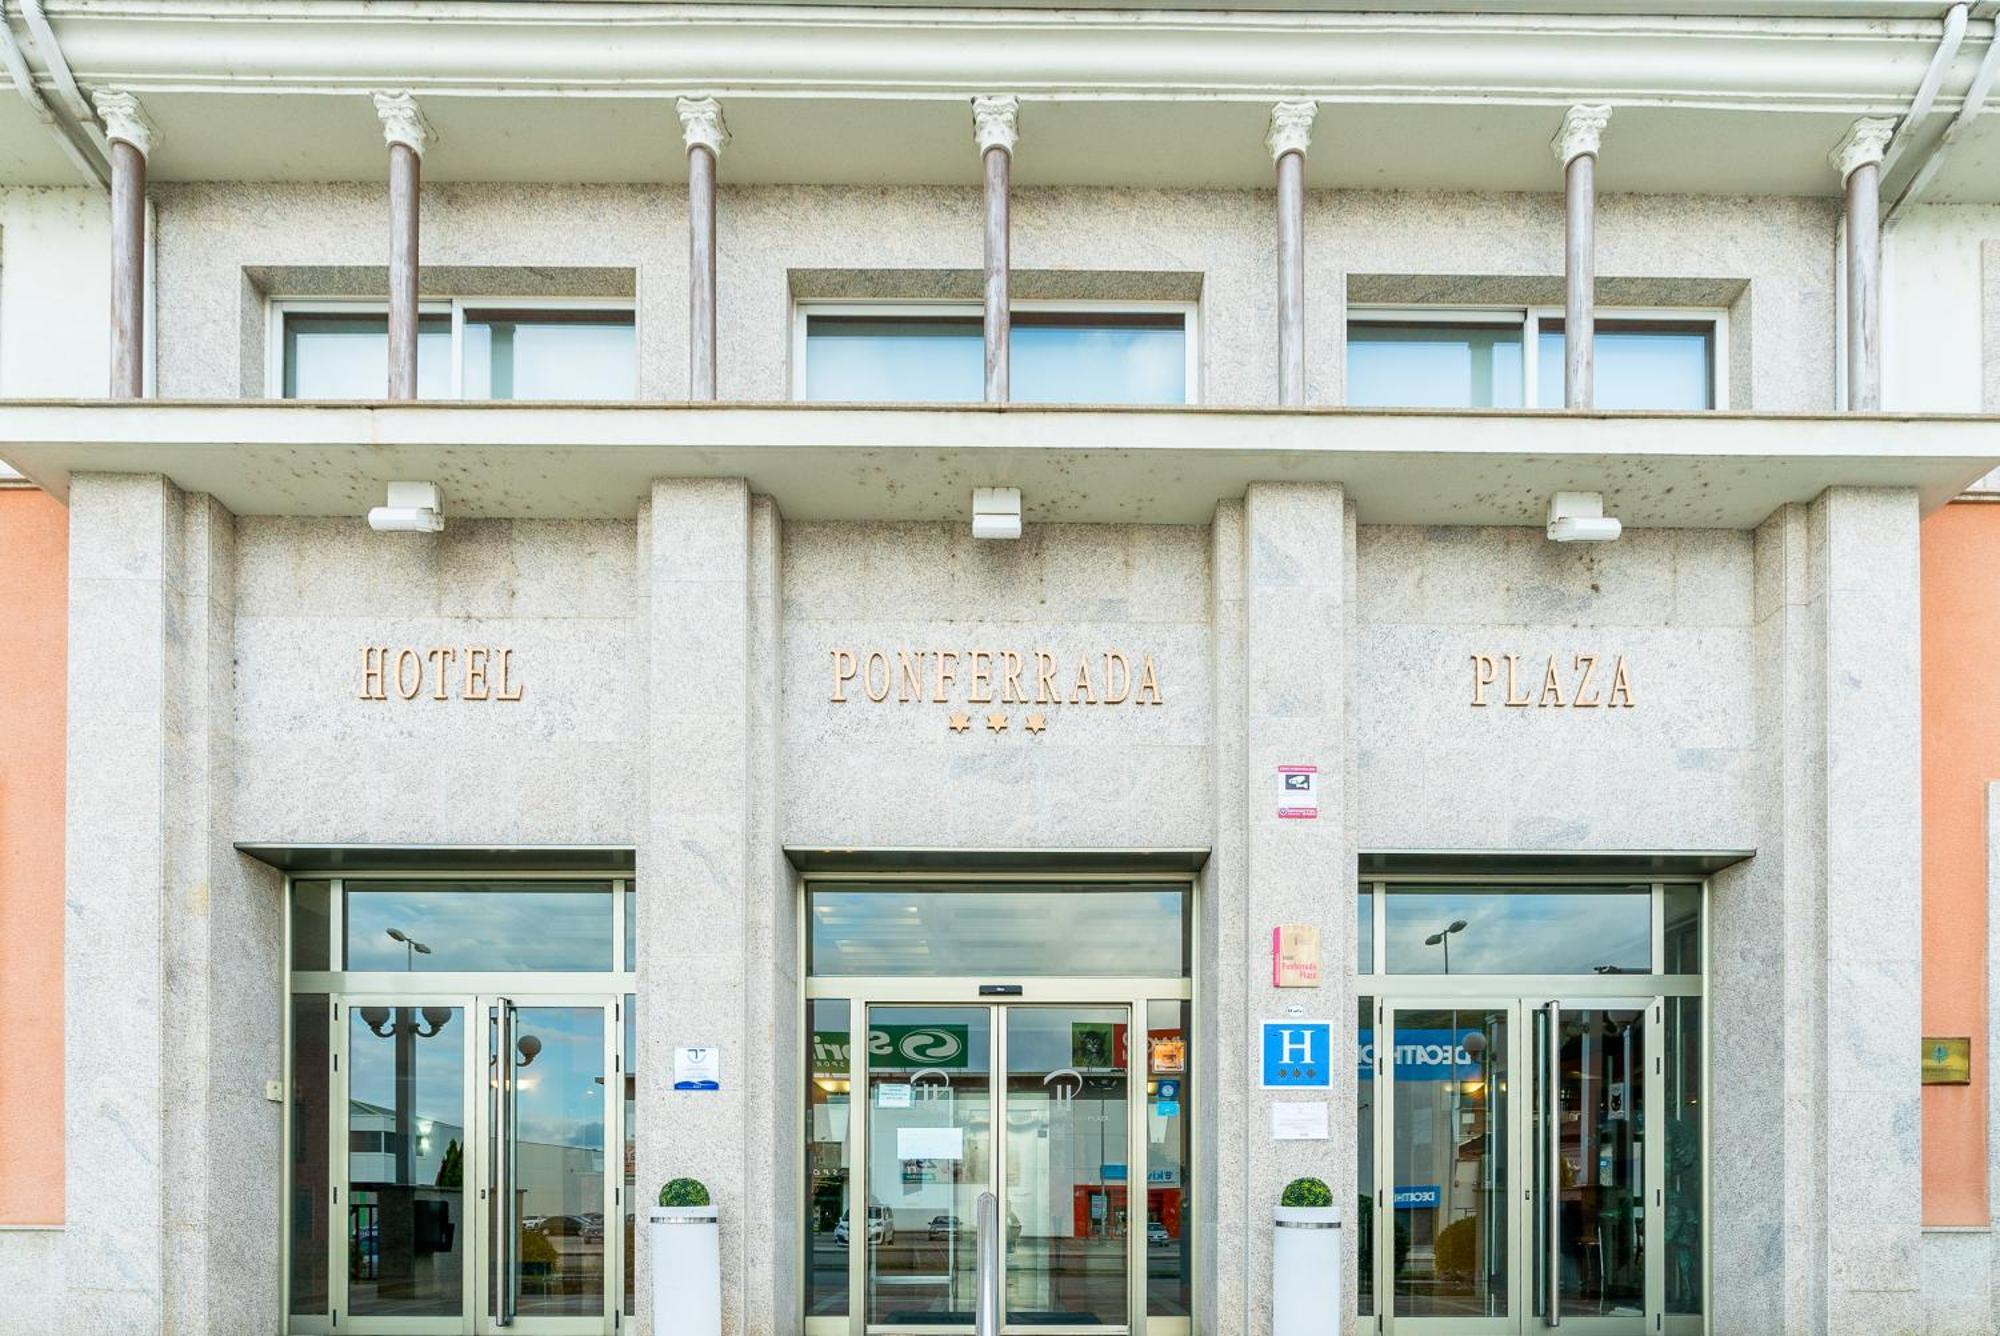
x=1947 y=1060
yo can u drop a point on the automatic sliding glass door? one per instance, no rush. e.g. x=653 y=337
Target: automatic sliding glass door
x=1032 y=1102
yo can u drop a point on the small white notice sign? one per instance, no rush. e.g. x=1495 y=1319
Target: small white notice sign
x=1298 y=787
x=1298 y=1120
x=930 y=1143
x=698 y=1067
x=892 y=1095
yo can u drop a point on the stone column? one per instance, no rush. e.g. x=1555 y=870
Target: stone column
x=707 y=963
x=173 y=977
x=406 y=132
x=704 y=132
x=1816 y=959
x=131 y=135
x=1283 y=577
x=1288 y=138
x=996 y=129
x=1858 y=158
x=1575 y=147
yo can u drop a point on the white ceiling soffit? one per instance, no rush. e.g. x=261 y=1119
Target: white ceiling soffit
x=1453 y=97
x=1072 y=465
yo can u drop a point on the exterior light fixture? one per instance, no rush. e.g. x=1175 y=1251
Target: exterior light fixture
x=414 y=507
x=996 y=512
x=1578 y=517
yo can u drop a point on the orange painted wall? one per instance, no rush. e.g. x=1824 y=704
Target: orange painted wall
x=1961 y=630
x=34 y=616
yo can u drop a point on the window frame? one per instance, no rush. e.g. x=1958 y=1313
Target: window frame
x=891 y=308
x=279 y=309
x=1529 y=320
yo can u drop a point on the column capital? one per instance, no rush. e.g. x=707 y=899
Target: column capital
x=702 y=123
x=996 y=122
x=1582 y=132
x=403 y=122
x=125 y=120
x=1291 y=128
x=1866 y=142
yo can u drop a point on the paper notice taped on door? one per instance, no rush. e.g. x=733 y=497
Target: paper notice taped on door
x=930 y=1143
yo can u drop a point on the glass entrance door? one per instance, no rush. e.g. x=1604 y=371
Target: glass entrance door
x=476 y=1193
x=1516 y=1197
x=1032 y=1102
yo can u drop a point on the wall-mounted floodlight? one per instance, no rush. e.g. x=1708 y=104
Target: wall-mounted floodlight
x=1578 y=517
x=996 y=512
x=414 y=507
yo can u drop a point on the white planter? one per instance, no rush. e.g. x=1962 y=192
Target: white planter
x=687 y=1270
x=1305 y=1271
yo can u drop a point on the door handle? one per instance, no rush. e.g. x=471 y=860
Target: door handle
x=508 y=1236
x=1552 y=1187
x=986 y=1282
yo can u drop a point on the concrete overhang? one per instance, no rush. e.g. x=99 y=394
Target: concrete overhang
x=1716 y=97
x=1095 y=465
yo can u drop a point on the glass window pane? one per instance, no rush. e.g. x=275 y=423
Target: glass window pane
x=828 y=1079
x=312 y=1105
x=337 y=356
x=1682 y=930
x=312 y=925
x=1000 y=931
x=870 y=359
x=1364 y=930
x=1684 y=1168
x=558 y=1181
x=1640 y=364
x=1091 y=359
x=1450 y=1194
x=429 y=927
x=550 y=355
x=631 y=928
x=1068 y=1171
x=406 y=1223
x=930 y=1155
x=1169 y=1161
x=1364 y=1162
x=1394 y=364
x=1524 y=930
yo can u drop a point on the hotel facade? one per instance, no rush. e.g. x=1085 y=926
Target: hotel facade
x=851 y=602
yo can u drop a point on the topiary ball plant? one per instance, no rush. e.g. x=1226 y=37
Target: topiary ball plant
x=684 y=1192
x=1306 y=1192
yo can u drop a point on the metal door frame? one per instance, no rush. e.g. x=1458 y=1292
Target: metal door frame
x=1527 y=1199
x=471 y=991
x=1132 y=994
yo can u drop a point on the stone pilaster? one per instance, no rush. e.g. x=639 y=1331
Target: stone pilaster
x=1815 y=975
x=173 y=979
x=1294 y=579
x=695 y=863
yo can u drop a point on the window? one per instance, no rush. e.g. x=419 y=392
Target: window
x=1513 y=358
x=465 y=350
x=935 y=353
x=1000 y=930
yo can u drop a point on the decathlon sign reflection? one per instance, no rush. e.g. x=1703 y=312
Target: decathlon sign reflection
x=1297 y=1055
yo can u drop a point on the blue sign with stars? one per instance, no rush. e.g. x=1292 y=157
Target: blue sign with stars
x=1298 y=1055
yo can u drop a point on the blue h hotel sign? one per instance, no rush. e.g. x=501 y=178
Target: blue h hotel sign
x=1298 y=1055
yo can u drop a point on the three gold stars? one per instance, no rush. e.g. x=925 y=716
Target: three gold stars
x=959 y=721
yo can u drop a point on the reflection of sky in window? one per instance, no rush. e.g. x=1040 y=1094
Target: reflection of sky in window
x=942 y=360
x=487 y=927
x=1059 y=930
x=563 y=359
x=559 y=1097
x=1634 y=369
x=1521 y=932
x=1070 y=364
x=437 y=1065
x=347 y=357
x=1433 y=366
